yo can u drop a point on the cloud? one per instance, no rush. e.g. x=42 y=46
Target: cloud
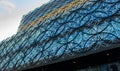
x=9 y=22
x=7 y=5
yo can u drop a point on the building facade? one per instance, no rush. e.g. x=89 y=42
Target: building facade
x=62 y=30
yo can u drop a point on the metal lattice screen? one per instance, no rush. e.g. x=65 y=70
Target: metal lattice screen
x=90 y=26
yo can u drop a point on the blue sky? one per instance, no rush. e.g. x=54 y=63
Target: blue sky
x=11 y=12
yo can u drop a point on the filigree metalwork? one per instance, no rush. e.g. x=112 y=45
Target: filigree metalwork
x=92 y=26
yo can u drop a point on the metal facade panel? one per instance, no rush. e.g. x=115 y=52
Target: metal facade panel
x=89 y=27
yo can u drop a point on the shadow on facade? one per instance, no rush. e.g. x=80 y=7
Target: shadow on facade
x=103 y=61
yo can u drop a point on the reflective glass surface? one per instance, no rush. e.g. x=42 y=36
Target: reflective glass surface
x=90 y=26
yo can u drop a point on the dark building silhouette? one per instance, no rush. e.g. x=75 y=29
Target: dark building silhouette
x=66 y=35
